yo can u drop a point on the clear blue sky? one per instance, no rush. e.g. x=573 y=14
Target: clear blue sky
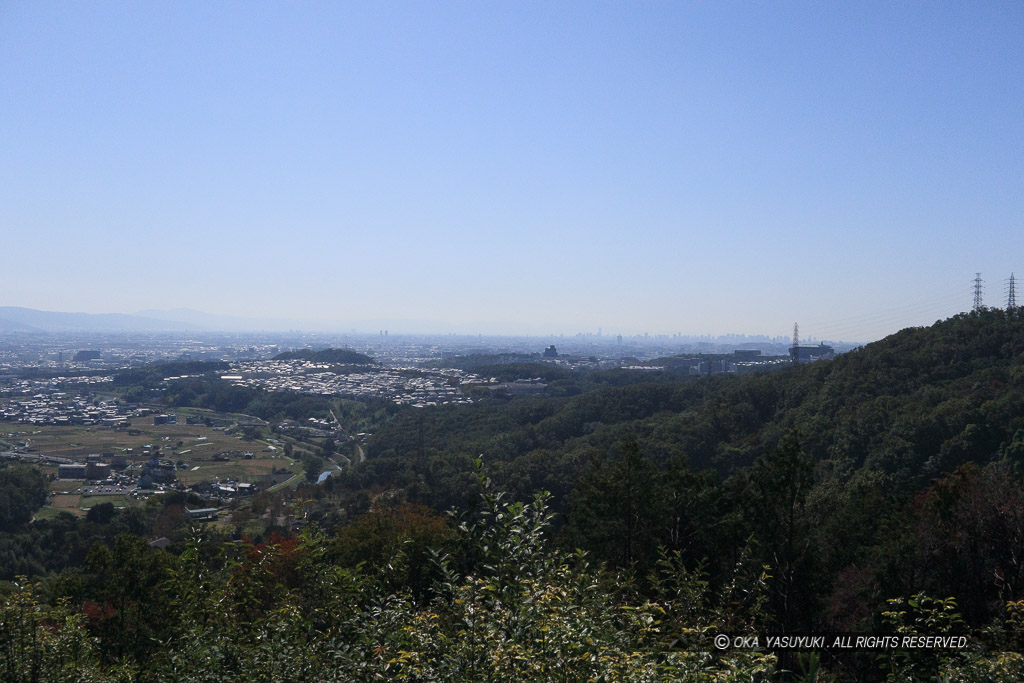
x=694 y=167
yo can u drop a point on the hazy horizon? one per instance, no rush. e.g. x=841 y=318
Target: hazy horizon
x=188 y=321
x=532 y=167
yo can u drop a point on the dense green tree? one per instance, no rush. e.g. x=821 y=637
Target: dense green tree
x=127 y=607
x=395 y=539
x=22 y=492
x=779 y=484
x=615 y=508
x=101 y=513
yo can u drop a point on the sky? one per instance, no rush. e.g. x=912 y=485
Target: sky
x=515 y=167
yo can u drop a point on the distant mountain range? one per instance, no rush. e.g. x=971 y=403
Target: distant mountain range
x=18 y=319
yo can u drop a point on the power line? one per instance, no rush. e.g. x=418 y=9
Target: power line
x=943 y=304
x=865 y=326
x=948 y=296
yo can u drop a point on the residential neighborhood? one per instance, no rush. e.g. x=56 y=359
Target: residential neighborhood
x=402 y=385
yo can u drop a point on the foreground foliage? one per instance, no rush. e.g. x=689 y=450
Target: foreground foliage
x=505 y=607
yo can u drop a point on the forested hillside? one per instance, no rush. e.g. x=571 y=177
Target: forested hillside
x=913 y=405
x=879 y=492
x=892 y=470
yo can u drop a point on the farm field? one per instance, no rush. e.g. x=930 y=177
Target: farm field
x=210 y=453
x=67 y=501
x=237 y=469
x=77 y=441
x=78 y=504
x=62 y=502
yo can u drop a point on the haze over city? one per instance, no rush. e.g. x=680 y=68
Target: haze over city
x=527 y=168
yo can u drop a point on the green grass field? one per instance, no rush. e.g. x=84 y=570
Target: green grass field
x=50 y=512
x=119 y=501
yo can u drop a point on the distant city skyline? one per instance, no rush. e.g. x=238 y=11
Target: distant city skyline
x=515 y=168
x=25 y=320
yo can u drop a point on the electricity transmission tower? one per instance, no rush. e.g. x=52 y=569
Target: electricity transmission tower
x=796 y=344
x=978 y=305
x=1011 y=293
